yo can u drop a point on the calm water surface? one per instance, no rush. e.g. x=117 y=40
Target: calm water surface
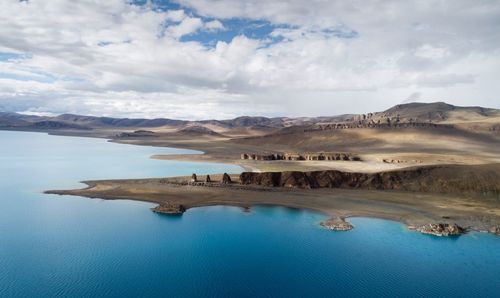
x=59 y=246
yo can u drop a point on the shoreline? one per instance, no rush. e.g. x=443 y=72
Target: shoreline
x=410 y=209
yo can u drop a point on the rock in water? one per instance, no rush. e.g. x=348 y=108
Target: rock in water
x=226 y=179
x=169 y=209
x=495 y=230
x=336 y=224
x=441 y=229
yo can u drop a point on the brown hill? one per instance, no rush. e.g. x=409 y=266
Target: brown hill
x=438 y=112
x=198 y=130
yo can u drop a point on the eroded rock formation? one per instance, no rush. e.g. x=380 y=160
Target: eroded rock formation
x=208 y=181
x=304 y=156
x=387 y=123
x=226 y=179
x=386 y=160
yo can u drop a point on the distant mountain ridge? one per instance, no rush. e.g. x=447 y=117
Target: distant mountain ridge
x=117 y=122
x=424 y=112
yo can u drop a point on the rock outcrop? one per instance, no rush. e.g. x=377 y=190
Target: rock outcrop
x=295 y=179
x=208 y=181
x=441 y=229
x=463 y=180
x=304 y=156
x=386 y=160
x=336 y=224
x=495 y=230
x=169 y=209
x=386 y=124
x=226 y=179
x=194 y=178
x=314 y=179
x=272 y=179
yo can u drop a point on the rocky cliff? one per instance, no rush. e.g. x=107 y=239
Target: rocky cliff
x=452 y=179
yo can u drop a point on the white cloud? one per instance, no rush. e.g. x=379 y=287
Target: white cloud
x=119 y=59
x=214 y=25
x=186 y=26
x=432 y=52
x=176 y=15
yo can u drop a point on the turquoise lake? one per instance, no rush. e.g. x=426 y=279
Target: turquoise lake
x=61 y=246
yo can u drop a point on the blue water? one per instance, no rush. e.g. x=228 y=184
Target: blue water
x=61 y=246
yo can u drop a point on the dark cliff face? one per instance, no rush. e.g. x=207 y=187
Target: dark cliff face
x=326 y=179
x=464 y=180
x=264 y=179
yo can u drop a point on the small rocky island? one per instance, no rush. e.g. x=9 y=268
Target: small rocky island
x=169 y=209
x=336 y=224
x=440 y=229
x=495 y=230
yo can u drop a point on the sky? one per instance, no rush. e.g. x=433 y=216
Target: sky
x=218 y=59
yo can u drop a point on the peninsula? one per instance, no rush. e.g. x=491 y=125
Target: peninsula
x=425 y=198
x=432 y=166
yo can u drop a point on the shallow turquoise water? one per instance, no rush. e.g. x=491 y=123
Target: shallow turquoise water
x=59 y=246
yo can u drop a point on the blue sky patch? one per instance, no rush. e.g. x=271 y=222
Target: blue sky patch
x=251 y=28
x=37 y=77
x=7 y=56
x=254 y=29
x=17 y=77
